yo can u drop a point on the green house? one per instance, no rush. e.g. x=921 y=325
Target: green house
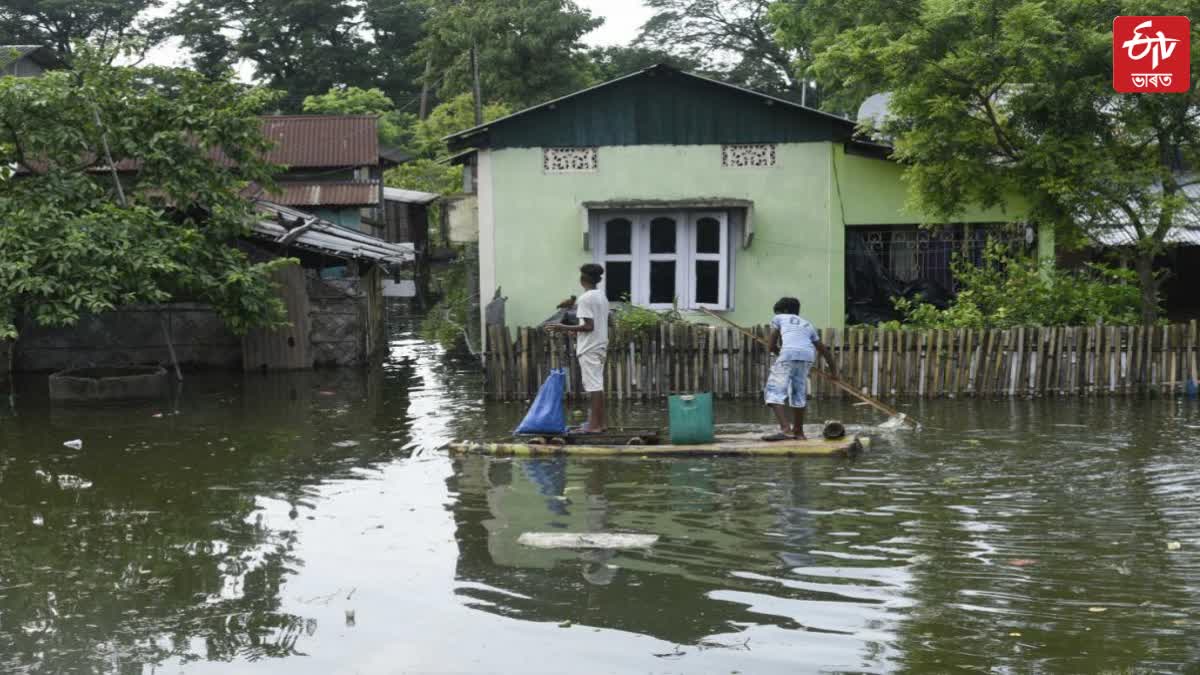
x=696 y=193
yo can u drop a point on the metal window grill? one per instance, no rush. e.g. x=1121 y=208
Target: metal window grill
x=912 y=254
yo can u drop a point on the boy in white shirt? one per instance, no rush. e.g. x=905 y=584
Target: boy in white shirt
x=798 y=344
x=592 y=346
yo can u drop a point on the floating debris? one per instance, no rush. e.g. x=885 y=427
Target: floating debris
x=76 y=444
x=605 y=540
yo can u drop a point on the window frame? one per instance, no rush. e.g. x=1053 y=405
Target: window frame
x=685 y=255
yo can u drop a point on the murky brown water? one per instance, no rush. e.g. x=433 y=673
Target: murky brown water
x=306 y=524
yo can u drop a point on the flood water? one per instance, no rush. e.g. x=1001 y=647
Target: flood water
x=307 y=523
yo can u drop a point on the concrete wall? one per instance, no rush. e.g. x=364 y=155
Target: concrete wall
x=872 y=191
x=346 y=328
x=131 y=335
x=338 y=321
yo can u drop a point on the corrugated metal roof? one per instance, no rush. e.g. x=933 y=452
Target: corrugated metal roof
x=658 y=106
x=39 y=54
x=331 y=193
x=323 y=140
x=325 y=237
x=392 y=194
x=310 y=141
x=1186 y=231
x=1127 y=236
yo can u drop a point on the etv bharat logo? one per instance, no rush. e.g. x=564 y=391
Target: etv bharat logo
x=1152 y=54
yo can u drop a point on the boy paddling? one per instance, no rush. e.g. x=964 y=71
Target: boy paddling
x=592 y=346
x=797 y=343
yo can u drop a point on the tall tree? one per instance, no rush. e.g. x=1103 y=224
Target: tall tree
x=734 y=38
x=58 y=23
x=612 y=62
x=73 y=242
x=991 y=100
x=396 y=27
x=303 y=47
x=529 y=50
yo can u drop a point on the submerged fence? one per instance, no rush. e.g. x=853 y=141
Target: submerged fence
x=1015 y=362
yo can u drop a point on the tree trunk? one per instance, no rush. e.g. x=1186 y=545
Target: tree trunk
x=1144 y=264
x=475 y=89
x=425 y=88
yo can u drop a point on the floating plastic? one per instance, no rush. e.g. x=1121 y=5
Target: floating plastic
x=74 y=445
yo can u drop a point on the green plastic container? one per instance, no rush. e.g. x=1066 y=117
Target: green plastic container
x=691 y=419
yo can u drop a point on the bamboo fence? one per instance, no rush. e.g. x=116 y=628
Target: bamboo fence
x=1034 y=361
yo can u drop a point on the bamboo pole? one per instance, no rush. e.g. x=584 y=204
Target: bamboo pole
x=830 y=378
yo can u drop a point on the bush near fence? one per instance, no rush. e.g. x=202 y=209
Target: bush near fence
x=928 y=363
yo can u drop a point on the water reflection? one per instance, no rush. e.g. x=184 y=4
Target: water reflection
x=148 y=542
x=738 y=549
x=306 y=523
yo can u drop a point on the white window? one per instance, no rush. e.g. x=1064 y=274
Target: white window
x=656 y=259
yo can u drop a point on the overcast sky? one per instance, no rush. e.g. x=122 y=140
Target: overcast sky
x=622 y=20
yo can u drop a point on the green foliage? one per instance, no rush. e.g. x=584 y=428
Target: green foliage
x=446 y=322
x=609 y=63
x=1014 y=97
x=302 y=47
x=529 y=50
x=631 y=320
x=69 y=247
x=426 y=173
x=59 y=23
x=1008 y=291
x=395 y=128
x=731 y=39
x=447 y=118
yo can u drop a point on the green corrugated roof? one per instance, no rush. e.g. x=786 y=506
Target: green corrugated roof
x=658 y=106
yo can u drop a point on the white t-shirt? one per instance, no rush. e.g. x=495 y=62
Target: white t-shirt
x=592 y=305
x=798 y=338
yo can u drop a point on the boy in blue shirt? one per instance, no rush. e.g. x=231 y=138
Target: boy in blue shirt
x=797 y=343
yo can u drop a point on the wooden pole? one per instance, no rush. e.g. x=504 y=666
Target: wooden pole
x=892 y=412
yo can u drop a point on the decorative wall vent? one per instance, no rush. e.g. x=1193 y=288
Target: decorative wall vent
x=569 y=160
x=748 y=155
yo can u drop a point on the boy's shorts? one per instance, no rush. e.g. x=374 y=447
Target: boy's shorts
x=591 y=369
x=788 y=384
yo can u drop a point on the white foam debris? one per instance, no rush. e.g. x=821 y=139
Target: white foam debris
x=606 y=540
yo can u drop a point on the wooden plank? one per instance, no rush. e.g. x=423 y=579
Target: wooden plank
x=288 y=347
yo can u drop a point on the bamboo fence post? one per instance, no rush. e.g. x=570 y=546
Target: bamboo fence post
x=1192 y=351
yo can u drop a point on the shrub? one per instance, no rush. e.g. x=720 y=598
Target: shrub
x=630 y=320
x=1011 y=290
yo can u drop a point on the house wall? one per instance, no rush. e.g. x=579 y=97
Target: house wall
x=871 y=191
x=531 y=222
x=531 y=236
x=348 y=217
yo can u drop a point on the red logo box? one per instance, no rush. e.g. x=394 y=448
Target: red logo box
x=1152 y=54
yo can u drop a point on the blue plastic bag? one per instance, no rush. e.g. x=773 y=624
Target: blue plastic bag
x=547 y=414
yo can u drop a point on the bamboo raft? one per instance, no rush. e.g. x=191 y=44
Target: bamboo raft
x=724 y=445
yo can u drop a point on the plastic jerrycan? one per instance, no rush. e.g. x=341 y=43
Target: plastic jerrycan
x=691 y=418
